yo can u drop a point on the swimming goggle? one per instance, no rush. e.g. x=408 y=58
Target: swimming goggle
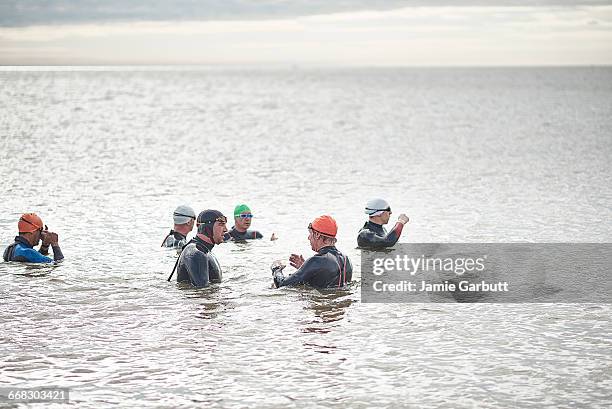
x=221 y=220
x=184 y=215
x=388 y=209
x=246 y=216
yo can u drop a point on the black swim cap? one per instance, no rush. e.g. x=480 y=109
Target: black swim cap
x=207 y=219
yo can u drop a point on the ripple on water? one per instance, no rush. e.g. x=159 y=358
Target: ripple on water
x=125 y=147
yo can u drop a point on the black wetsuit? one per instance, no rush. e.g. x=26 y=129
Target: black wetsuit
x=374 y=236
x=175 y=240
x=327 y=269
x=246 y=235
x=198 y=265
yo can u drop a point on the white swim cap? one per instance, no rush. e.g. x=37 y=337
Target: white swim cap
x=183 y=214
x=375 y=207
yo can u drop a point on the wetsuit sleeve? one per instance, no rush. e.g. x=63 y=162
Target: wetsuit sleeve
x=367 y=238
x=214 y=272
x=301 y=276
x=349 y=270
x=198 y=271
x=57 y=253
x=30 y=256
x=256 y=234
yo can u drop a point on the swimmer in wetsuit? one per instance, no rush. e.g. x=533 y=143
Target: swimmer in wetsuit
x=373 y=235
x=184 y=218
x=31 y=231
x=328 y=268
x=197 y=264
x=242 y=221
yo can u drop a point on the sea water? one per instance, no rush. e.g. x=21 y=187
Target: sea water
x=104 y=155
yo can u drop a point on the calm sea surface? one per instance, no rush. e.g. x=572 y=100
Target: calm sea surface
x=471 y=155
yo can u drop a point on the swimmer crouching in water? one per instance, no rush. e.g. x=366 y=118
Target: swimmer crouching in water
x=328 y=268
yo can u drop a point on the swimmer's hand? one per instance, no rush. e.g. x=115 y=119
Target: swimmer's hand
x=277 y=265
x=403 y=219
x=48 y=237
x=296 y=260
x=54 y=239
x=273 y=237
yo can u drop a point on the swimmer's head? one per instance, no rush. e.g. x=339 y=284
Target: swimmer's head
x=242 y=217
x=212 y=224
x=378 y=210
x=322 y=232
x=31 y=226
x=184 y=219
x=29 y=223
x=183 y=215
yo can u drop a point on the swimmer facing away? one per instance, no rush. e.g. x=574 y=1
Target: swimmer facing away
x=184 y=220
x=31 y=231
x=328 y=268
x=373 y=235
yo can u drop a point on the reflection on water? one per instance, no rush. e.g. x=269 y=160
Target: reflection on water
x=31 y=270
x=328 y=307
x=210 y=300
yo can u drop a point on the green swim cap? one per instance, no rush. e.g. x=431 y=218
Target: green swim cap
x=241 y=208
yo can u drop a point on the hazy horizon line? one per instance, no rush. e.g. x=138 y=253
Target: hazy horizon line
x=6 y=67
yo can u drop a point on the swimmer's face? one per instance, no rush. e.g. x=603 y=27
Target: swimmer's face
x=313 y=240
x=37 y=236
x=243 y=221
x=386 y=215
x=219 y=229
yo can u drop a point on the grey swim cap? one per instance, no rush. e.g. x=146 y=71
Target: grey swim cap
x=183 y=214
x=375 y=207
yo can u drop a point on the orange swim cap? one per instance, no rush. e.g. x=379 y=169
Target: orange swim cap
x=326 y=225
x=29 y=222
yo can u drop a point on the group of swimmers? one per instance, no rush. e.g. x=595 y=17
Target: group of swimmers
x=197 y=265
x=184 y=219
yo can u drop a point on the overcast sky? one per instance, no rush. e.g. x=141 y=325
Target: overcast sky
x=344 y=32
